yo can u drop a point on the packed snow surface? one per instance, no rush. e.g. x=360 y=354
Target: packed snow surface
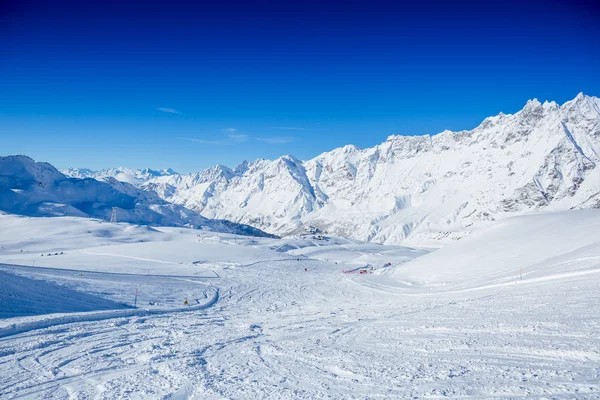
x=277 y=318
x=23 y=296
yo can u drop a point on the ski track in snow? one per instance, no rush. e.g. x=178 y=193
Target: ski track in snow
x=321 y=336
x=273 y=330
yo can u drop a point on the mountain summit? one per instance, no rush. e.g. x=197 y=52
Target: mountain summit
x=412 y=189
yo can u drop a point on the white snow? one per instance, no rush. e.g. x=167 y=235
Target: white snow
x=276 y=318
x=22 y=296
x=539 y=246
x=38 y=189
x=413 y=190
x=128 y=175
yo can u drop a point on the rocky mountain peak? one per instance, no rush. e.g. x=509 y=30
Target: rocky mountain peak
x=410 y=189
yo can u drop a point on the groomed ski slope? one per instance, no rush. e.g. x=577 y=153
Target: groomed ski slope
x=455 y=323
x=538 y=247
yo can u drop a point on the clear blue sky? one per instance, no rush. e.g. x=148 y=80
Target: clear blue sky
x=191 y=84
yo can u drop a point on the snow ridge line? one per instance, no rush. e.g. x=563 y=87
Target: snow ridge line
x=15 y=329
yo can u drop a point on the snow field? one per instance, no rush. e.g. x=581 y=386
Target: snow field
x=421 y=329
x=540 y=247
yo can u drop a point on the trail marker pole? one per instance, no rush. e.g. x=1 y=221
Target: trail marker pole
x=521 y=270
x=135 y=300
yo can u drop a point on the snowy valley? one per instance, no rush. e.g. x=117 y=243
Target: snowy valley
x=90 y=309
x=459 y=265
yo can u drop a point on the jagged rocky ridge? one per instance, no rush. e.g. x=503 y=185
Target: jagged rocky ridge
x=413 y=189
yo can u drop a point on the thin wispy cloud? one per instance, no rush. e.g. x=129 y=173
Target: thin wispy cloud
x=205 y=141
x=233 y=136
x=169 y=110
x=275 y=140
x=289 y=128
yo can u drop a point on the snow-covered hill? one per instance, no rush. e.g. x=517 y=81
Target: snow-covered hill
x=418 y=190
x=38 y=189
x=132 y=176
x=537 y=247
x=273 y=319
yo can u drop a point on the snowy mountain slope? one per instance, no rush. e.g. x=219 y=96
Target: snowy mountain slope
x=38 y=189
x=418 y=190
x=541 y=246
x=264 y=193
x=132 y=176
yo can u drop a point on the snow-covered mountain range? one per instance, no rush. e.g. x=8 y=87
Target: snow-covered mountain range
x=412 y=189
x=38 y=189
x=132 y=176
